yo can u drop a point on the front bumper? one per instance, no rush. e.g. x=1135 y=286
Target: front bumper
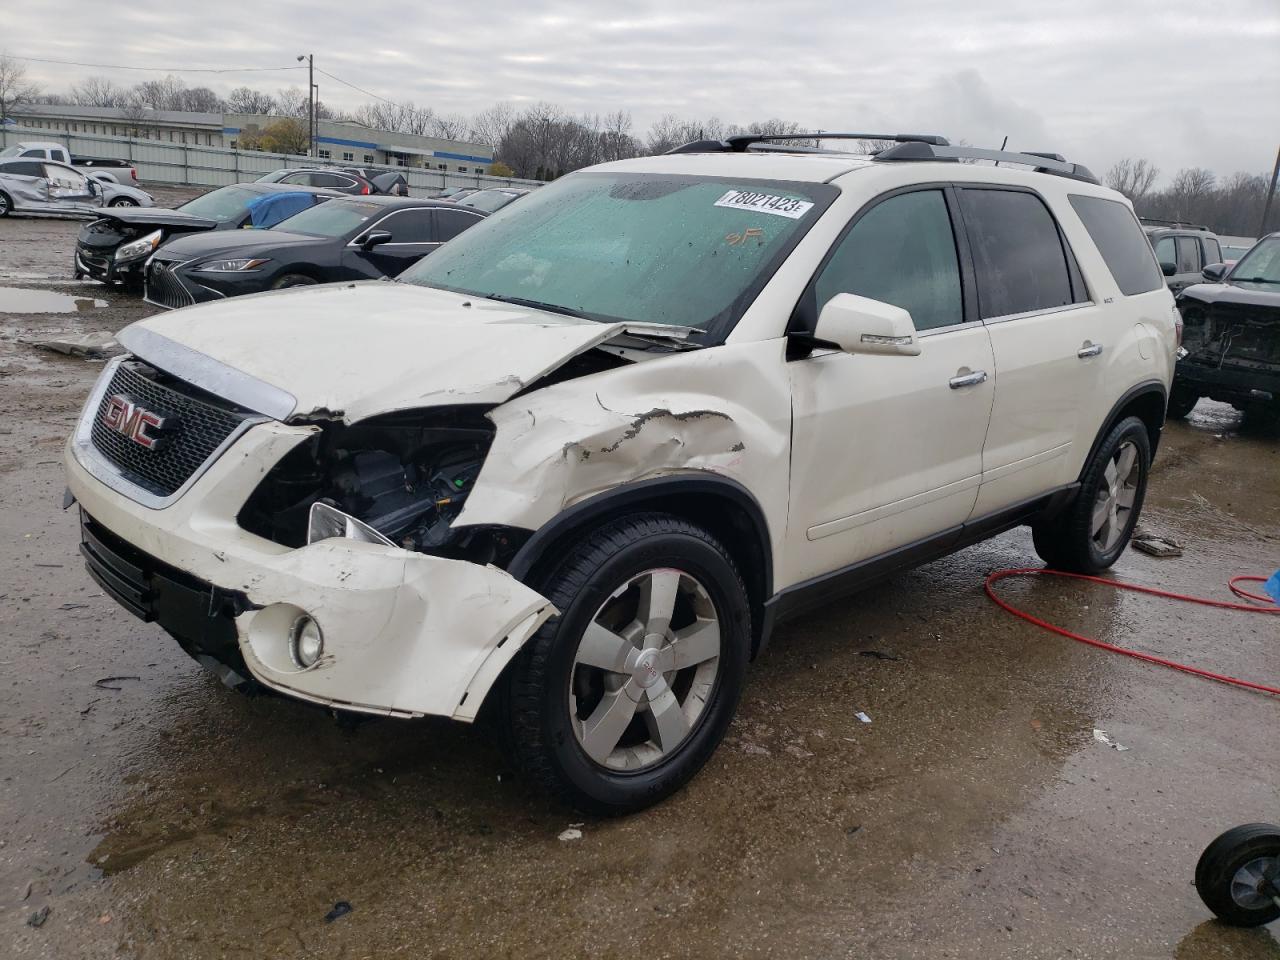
x=1228 y=382
x=105 y=268
x=405 y=634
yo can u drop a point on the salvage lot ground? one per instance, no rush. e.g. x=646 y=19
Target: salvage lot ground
x=160 y=815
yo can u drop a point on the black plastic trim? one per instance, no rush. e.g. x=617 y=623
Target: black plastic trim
x=817 y=591
x=1113 y=416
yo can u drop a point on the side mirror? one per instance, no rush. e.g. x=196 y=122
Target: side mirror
x=1167 y=268
x=373 y=238
x=1214 y=272
x=861 y=325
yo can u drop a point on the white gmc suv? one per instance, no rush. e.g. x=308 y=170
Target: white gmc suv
x=571 y=469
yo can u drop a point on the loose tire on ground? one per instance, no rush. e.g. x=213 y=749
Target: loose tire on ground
x=1092 y=532
x=1228 y=874
x=557 y=706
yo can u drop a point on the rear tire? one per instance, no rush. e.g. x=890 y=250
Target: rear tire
x=6 y=204
x=1182 y=400
x=1229 y=871
x=631 y=593
x=1090 y=534
x=294 y=280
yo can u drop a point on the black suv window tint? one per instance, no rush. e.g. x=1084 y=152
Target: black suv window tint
x=1165 y=252
x=1120 y=240
x=450 y=223
x=1188 y=255
x=1212 y=252
x=902 y=251
x=408 y=226
x=1017 y=252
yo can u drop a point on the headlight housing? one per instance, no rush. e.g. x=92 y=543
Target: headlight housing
x=231 y=266
x=142 y=247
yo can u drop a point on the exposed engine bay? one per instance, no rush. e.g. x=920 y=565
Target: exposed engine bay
x=406 y=475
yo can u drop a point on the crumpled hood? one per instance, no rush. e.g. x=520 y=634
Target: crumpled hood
x=355 y=350
x=1235 y=291
x=157 y=217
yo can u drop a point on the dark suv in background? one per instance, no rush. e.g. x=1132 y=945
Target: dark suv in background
x=1231 y=335
x=1182 y=249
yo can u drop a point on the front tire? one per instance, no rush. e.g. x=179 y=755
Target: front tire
x=1090 y=535
x=294 y=280
x=123 y=202
x=1231 y=876
x=619 y=701
x=6 y=204
x=1182 y=401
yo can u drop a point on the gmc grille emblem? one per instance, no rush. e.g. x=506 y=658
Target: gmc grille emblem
x=134 y=421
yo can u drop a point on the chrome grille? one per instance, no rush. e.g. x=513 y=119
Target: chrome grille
x=163 y=286
x=195 y=427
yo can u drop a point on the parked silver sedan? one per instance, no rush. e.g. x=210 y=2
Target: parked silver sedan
x=42 y=186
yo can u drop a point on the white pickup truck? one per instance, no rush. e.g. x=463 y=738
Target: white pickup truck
x=100 y=168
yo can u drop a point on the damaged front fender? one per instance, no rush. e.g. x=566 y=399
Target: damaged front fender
x=725 y=411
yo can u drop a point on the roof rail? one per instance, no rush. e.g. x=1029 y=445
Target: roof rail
x=740 y=143
x=1176 y=224
x=1042 y=162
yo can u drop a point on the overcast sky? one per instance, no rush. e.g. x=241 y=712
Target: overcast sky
x=1183 y=84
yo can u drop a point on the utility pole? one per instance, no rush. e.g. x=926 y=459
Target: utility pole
x=1271 y=193
x=311 y=101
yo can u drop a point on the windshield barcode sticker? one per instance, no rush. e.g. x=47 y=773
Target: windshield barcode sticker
x=788 y=207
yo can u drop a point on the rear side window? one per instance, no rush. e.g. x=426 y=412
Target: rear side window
x=1212 y=252
x=1188 y=255
x=450 y=223
x=1165 y=252
x=1017 y=252
x=1121 y=242
x=408 y=226
x=903 y=252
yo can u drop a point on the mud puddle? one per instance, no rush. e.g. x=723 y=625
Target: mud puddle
x=24 y=300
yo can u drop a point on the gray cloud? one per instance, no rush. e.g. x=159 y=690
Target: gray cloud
x=1181 y=83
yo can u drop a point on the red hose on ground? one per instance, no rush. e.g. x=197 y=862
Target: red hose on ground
x=1063 y=632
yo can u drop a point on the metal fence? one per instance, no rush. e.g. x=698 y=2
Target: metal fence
x=193 y=165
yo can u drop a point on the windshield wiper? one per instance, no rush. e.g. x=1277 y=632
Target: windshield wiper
x=539 y=305
x=1254 y=280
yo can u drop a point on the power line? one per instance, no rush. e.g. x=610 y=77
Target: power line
x=121 y=66
x=368 y=94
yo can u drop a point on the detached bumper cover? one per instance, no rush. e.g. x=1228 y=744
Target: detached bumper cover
x=404 y=633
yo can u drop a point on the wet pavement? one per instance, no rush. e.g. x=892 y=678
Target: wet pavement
x=158 y=814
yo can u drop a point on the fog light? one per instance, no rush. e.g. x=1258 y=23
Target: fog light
x=306 y=642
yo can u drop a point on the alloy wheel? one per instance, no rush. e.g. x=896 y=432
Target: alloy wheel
x=1116 y=496
x=644 y=670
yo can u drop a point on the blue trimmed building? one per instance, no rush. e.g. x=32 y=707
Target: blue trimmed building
x=340 y=141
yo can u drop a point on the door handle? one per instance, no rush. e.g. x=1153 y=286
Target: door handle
x=1089 y=349
x=968 y=379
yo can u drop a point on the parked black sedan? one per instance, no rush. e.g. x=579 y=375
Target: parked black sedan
x=350 y=238
x=1231 y=335
x=115 y=247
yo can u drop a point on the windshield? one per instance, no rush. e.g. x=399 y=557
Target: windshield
x=655 y=248
x=336 y=218
x=1261 y=264
x=227 y=203
x=10 y=151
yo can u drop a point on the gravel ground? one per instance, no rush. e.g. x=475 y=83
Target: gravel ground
x=160 y=815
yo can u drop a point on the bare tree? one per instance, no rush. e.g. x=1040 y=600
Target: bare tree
x=200 y=100
x=452 y=127
x=248 y=100
x=491 y=126
x=15 y=88
x=292 y=102
x=98 y=92
x=1132 y=177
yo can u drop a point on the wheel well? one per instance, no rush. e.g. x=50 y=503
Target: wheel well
x=1148 y=403
x=721 y=507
